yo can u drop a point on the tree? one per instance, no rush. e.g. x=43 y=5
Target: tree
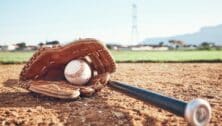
x=21 y=45
x=109 y=46
x=177 y=43
x=55 y=42
x=41 y=44
x=206 y=45
x=161 y=44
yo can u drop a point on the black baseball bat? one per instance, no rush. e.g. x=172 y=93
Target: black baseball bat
x=197 y=112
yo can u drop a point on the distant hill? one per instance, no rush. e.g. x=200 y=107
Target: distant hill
x=208 y=34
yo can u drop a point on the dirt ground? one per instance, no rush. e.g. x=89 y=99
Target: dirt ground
x=112 y=108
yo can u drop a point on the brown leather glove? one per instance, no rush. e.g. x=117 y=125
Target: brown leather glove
x=44 y=72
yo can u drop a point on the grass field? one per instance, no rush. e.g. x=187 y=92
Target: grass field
x=168 y=56
x=14 y=57
x=131 y=56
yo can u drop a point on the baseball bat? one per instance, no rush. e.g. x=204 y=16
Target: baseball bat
x=197 y=112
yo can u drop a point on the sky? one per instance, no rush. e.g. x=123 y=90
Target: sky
x=35 y=21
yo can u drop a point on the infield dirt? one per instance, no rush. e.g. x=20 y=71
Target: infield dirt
x=185 y=81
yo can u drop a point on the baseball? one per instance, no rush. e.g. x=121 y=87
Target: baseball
x=77 y=72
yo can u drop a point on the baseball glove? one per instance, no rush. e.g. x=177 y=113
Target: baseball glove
x=44 y=72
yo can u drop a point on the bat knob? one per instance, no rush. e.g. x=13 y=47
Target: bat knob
x=198 y=112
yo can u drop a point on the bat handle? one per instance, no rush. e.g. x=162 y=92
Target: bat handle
x=198 y=112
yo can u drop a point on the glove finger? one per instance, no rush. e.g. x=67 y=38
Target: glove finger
x=97 y=64
x=87 y=91
x=105 y=57
x=55 y=89
x=99 y=81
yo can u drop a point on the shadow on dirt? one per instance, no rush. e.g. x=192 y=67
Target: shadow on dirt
x=26 y=99
x=15 y=96
x=93 y=110
x=11 y=83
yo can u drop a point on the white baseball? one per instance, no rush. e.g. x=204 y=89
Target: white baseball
x=77 y=72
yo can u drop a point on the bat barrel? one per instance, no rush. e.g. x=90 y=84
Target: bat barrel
x=196 y=112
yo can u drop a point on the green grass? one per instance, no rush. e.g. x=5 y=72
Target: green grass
x=167 y=56
x=130 y=56
x=14 y=57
